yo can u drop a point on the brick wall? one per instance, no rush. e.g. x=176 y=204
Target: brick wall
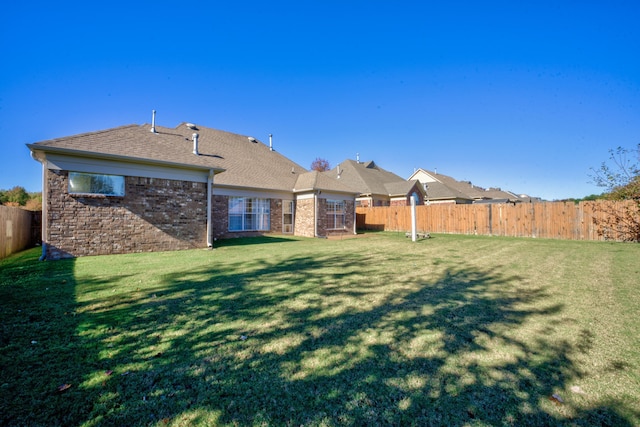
x=276 y=215
x=220 y=216
x=220 y=219
x=305 y=218
x=349 y=218
x=154 y=215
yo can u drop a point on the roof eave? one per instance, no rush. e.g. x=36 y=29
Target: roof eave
x=104 y=156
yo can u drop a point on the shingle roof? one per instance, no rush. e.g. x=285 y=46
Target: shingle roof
x=247 y=162
x=466 y=188
x=315 y=180
x=369 y=178
x=439 y=191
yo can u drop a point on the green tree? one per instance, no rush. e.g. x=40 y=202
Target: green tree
x=17 y=196
x=621 y=179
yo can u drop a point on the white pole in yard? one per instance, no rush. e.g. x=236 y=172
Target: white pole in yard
x=413 y=219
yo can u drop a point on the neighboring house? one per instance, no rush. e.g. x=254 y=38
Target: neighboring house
x=445 y=189
x=141 y=188
x=376 y=186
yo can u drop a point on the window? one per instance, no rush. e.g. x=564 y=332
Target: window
x=335 y=214
x=287 y=216
x=249 y=214
x=91 y=183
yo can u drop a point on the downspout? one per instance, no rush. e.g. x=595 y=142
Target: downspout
x=44 y=221
x=355 y=218
x=209 y=208
x=315 y=210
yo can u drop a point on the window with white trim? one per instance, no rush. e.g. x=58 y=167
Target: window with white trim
x=93 y=183
x=249 y=214
x=335 y=214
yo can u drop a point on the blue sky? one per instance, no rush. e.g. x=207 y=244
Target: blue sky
x=526 y=96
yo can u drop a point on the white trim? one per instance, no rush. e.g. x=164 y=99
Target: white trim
x=305 y=196
x=111 y=167
x=226 y=191
x=292 y=203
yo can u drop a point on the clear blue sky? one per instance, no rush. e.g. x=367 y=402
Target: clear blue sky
x=526 y=97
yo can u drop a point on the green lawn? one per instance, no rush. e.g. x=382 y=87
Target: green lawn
x=453 y=330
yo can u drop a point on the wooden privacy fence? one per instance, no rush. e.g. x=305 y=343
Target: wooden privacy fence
x=554 y=220
x=19 y=229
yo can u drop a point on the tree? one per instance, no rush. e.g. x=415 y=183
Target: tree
x=320 y=165
x=17 y=196
x=621 y=179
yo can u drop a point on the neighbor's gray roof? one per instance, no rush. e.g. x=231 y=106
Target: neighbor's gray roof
x=247 y=163
x=439 y=191
x=369 y=178
x=467 y=188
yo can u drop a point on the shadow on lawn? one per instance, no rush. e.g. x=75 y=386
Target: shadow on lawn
x=314 y=341
x=40 y=349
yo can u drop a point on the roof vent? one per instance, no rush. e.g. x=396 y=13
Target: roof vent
x=191 y=126
x=153 y=121
x=271 y=142
x=195 y=144
x=252 y=139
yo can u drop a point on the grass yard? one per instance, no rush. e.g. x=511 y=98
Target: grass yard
x=274 y=331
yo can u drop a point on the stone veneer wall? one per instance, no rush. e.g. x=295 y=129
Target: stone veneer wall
x=304 y=218
x=154 y=215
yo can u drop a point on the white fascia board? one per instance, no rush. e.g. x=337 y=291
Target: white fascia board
x=336 y=195
x=250 y=192
x=305 y=196
x=113 y=167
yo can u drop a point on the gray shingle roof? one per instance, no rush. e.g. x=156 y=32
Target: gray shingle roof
x=463 y=189
x=315 y=180
x=439 y=191
x=369 y=178
x=248 y=163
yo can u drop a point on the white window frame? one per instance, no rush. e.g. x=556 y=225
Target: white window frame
x=249 y=214
x=96 y=184
x=288 y=208
x=336 y=214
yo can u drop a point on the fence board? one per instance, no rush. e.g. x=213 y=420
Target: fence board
x=552 y=220
x=16 y=232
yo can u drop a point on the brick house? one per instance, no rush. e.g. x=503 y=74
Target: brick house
x=141 y=188
x=376 y=186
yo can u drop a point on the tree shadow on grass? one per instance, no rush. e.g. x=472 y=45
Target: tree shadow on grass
x=324 y=340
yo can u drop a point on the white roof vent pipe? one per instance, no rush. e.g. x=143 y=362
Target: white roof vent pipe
x=271 y=142
x=153 y=121
x=195 y=144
